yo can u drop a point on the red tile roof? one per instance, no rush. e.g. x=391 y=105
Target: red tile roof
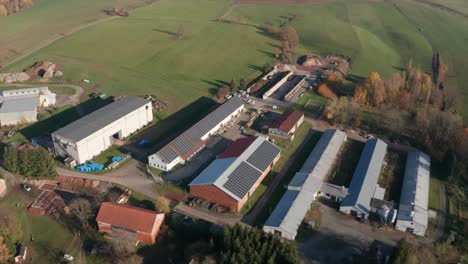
x=129 y=217
x=287 y=120
x=237 y=148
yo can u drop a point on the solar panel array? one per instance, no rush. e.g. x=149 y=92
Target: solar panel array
x=242 y=179
x=264 y=155
x=189 y=141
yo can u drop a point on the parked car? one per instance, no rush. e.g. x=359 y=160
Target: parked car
x=26 y=187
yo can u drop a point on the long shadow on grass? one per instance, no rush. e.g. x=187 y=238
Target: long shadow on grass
x=62 y=118
x=171 y=33
x=269 y=54
x=171 y=127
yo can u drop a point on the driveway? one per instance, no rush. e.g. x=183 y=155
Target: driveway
x=133 y=175
x=340 y=237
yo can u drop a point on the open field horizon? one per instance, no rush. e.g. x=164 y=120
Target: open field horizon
x=141 y=55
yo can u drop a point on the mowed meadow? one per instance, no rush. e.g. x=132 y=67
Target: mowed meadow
x=49 y=19
x=141 y=54
x=378 y=36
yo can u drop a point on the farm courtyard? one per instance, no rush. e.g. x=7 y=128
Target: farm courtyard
x=147 y=57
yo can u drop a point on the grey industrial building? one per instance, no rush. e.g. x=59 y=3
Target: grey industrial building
x=19 y=106
x=186 y=145
x=305 y=186
x=365 y=178
x=88 y=136
x=413 y=212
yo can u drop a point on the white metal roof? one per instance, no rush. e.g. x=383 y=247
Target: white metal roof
x=19 y=104
x=295 y=203
x=95 y=121
x=414 y=200
x=366 y=176
x=236 y=176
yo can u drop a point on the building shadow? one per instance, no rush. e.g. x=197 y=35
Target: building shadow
x=60 y=118
x=165 y=130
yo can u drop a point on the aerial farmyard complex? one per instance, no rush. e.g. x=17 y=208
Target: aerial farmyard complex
x=233 y=131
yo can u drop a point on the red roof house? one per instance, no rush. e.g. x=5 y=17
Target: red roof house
x=124 y=221
x=286 y=124
x=233 y=177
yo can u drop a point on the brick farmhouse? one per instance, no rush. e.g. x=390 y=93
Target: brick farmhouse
x=123 y=221
x=232 y=178
x=286 y=124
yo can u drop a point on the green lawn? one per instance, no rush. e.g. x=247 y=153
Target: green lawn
x=146 y=57
x=458 y=5
x=50 y=237
x=311 y=103
x=380 y=36
x=167 y=189
x=48 y=19
x=62 y=90
x=106 y=156
x=434 y=193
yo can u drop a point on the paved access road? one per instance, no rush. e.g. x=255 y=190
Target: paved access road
x=131 y=175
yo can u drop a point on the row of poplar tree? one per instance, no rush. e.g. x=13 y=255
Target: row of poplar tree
x=36 y=163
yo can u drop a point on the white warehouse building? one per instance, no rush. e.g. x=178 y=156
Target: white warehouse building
x=88 y=136
x=363 y=185
x=305 y=186
x=19 y=106
x=185 y=146
x=413 y=212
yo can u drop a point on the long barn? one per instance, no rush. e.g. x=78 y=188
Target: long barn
x=88 y=136
x=234 y=176
x=189 y=143
x=305 y=186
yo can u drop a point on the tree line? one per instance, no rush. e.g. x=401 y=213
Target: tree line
x=413 y=106
x=242 y=245
x=35 y=163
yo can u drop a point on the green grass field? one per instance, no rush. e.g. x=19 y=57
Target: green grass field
x=48 y=19
x=378 y=37
x=458 y=5
x=141 y=54
x=50 y=237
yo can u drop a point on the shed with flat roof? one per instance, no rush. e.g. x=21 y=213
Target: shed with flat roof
x=304 y=187
x=364 y=182
x=88 y=136
x=413 y=213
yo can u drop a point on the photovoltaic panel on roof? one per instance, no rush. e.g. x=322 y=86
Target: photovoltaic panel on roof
x=263 y=155
x=187 y=142
x=168 y=154
x=183 y=144
x=241 y=179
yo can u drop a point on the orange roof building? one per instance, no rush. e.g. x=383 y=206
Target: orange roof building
x=133 y=223
x=286 y=124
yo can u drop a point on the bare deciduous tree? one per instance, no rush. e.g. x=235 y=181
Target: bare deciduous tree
x=82 y=209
